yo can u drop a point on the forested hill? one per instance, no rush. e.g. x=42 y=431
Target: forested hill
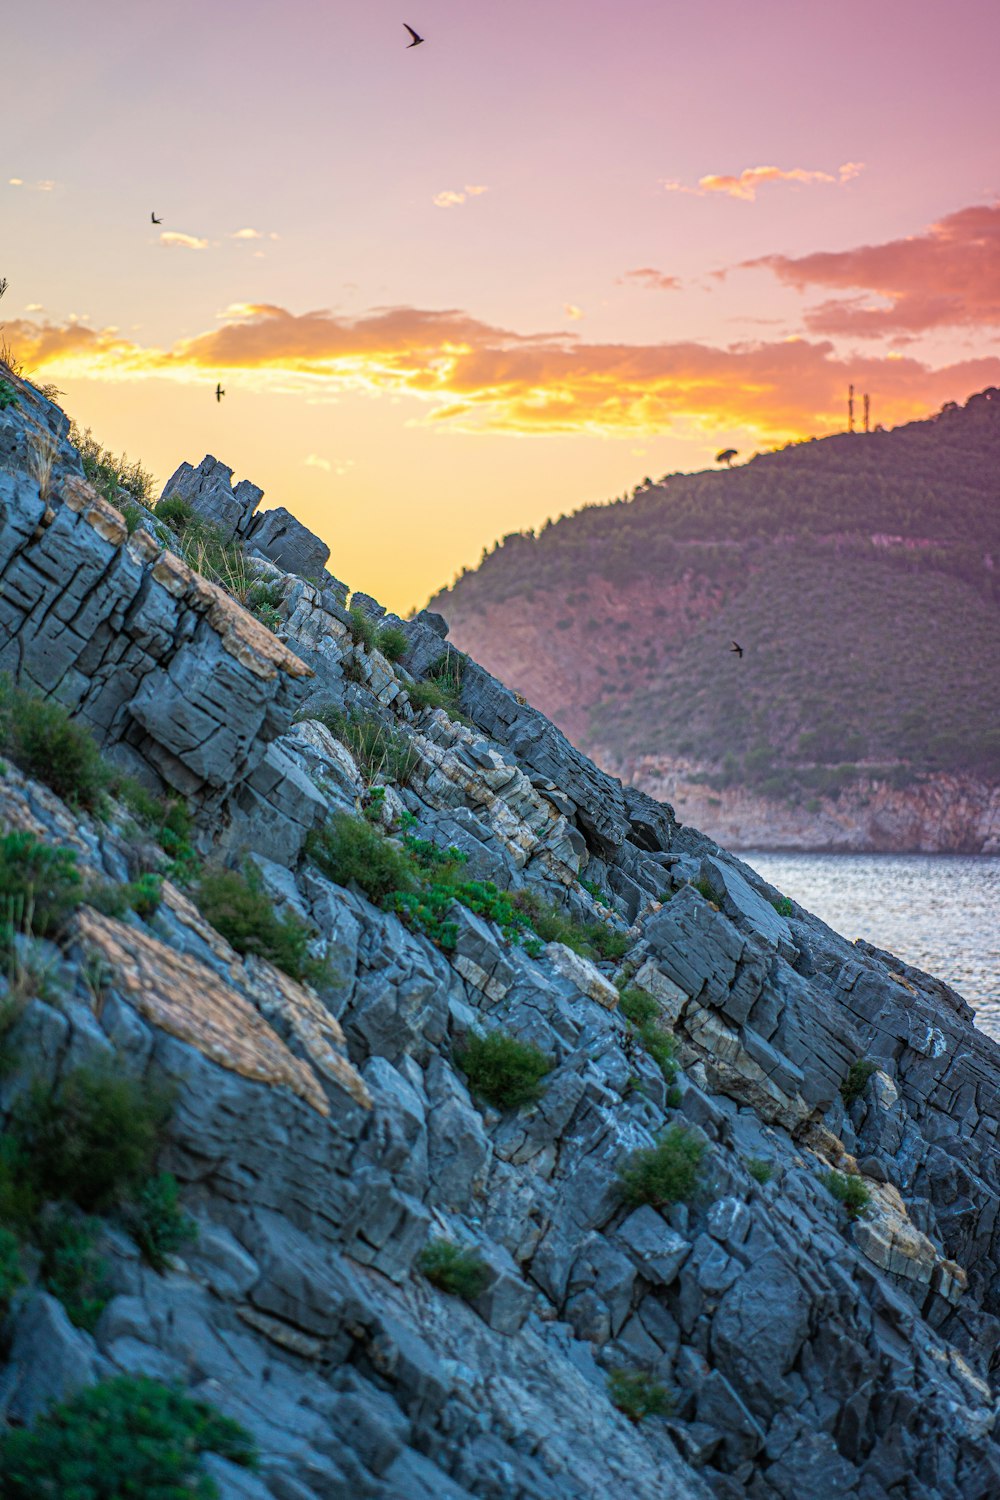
x=859 y=572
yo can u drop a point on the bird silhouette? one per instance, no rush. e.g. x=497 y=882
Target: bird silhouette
x=737 y=648
x=155 y=219
x=416 y=39
x=219 y=392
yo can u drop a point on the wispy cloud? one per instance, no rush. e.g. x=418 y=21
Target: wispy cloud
x=477 y=377
x=451 y=198
x=656 y=281
x=315 y=462
x=253 y=234
x=573 y=312
x=747 y=182
x=182 y=241
x=947 y=277
x=44 y=185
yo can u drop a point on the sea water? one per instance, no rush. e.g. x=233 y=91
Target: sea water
x=939 y=912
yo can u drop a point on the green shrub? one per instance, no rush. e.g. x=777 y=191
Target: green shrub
x=856 y=1081
x=167 y=820
x=108 y=473
x=594 y=940
x=392 y=642
x=848 y=1190
x=142 y=896
x=92 y=1140
x=72 y=1268
x=502 y=1070
x=157 y=1222
x=175 y=512
x=378 y=749
x=454 y=1269
x=593 y=889
x=132 y=514
x=40 y=887
x=665 y=1173
x=442 y=687
x=642 y=1011
x=18 y=1196
x=760 y=1169
x=128 y=1438
x=637 y=1395
x=706 y=889
x=11 y=1274
x=8 y=395
x=363 y=631
x=427 y=911
x=349 y=849
x=263 y=600
x=40 y=737
x=238 y=907
x=783 y=906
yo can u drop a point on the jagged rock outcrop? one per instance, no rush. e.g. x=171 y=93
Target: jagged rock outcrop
x=321 y=1137
x=210 y=492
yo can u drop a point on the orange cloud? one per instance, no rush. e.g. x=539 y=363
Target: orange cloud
x=947 y=277
x=751 y=178
x=452 y=199
x=182 y=241
x=478 y=377
x=656 y=281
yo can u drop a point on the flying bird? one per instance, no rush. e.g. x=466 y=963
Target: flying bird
x=219 y=392
x=416 y=39
x=737 y=648
x=155 y=219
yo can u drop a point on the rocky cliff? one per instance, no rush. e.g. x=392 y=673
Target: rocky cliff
x=858 y=573
x=740 y=1239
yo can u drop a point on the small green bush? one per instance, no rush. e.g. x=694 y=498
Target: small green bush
x=108 y=473
x=350 y=849
x=132 y=514
x=783 y=906
x=363 y=631
x=427 y=911
x=44 y=742
x=665 y=1173
x=637 y=1395
x=128 y=1438
x=593 y=889
x=175 y=512
x=848 y=1190
x=238 y=907
x=856 y=1081
x=760 y=1169
x=642 y=1011
x=157 y=1222
x=442 y=687
x=142 y=896
x=392 y=642
x=706 y=889
x=72 y=1268
x=167 y=819
x=263 y=600
x=18 y=1196
x=593 y=940
x=378 y=749
x=8 y=395
x=454 y=1269
x=93 y=1140
x=40 y=887
x=11 y=1274
x=502 y=1070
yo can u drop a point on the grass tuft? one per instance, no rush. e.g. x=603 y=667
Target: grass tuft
x=454 y=1269
x=503 y=1071
x=665 y=1173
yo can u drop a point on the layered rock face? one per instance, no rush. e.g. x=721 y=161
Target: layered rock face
x=321 y=1138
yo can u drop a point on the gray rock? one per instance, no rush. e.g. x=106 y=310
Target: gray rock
x=285 y=541
x=48 y=1361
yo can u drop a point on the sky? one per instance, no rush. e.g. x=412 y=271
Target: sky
x=453 y=290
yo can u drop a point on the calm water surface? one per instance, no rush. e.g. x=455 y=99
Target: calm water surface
x=939 y=912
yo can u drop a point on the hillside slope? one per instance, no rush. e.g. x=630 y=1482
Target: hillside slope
x=860 y=574
x=382 y=1074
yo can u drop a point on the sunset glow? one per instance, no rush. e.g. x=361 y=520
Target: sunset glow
x=454 y=291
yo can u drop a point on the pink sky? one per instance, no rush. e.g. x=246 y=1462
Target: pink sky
x=456 y=289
